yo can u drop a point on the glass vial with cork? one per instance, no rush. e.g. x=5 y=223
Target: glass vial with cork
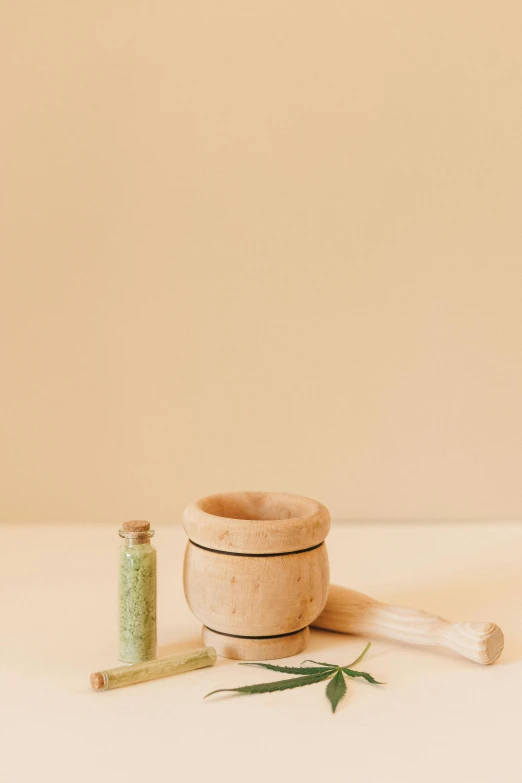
x=137 y=593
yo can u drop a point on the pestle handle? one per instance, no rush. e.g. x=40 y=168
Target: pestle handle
x=348 y=611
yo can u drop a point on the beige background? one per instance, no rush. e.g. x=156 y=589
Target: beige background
x=261 y=245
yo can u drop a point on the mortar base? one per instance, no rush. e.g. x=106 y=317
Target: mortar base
x=256 y=649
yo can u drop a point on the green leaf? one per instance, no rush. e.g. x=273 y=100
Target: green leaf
x=308 y=675
x=334 y=666
x=336 y=689
x=364 y=675
x=293 y=669
x=361 y=656
x=280 y=685
x=328 y=665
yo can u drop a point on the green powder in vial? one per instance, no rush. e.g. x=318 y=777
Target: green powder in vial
x=137 y=594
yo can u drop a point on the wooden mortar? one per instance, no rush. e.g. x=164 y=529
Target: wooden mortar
x=256 y=575
x=256 y=571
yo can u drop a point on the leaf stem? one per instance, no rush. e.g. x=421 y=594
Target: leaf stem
x=361 y=656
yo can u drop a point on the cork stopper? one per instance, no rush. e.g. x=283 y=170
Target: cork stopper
x=136 y=526
x=97 y=681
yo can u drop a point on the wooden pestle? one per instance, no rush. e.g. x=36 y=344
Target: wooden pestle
x=348 y=611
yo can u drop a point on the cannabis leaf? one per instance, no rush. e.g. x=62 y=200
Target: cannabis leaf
x=335 y=690
x=292 y=669
x=365 y=675
x=280 y=685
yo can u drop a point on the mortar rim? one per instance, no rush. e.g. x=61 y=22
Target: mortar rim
x=248 y=535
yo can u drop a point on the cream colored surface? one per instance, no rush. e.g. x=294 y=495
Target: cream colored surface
x=439 y=717
x=269 y=245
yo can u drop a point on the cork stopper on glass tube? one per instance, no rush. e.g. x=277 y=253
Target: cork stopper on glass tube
x=136 y=530
x=98 y=681
x=136 y=526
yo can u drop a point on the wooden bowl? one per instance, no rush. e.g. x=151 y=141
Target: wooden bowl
x=256 y=571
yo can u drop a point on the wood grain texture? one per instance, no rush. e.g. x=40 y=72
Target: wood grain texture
x=256 y=649
x=256 y=596
x=348 y=611
x=256 y=522
x=259 y=582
